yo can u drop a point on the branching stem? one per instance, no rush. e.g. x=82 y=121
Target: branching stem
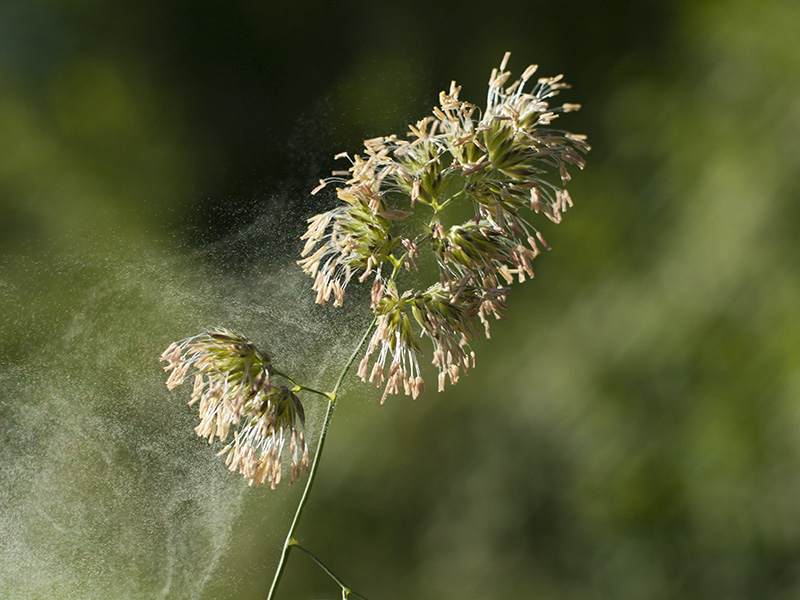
x=331 y=396
x=346 y=591
x=297 y=387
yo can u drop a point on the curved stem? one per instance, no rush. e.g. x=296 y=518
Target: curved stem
x=346 y=591
x=351 y=360
x=287 y=545
x=303 y=499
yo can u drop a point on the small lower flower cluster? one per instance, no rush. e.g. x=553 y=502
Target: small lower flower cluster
x=502 y=163
x=233 y=388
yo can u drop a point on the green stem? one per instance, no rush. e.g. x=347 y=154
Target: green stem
x=440 y=207
x=298 y=387
x=287 y=545
x=351 y=360
x=397 y=262
x=346 y=591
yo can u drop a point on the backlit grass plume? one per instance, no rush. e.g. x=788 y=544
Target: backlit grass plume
x=504 y=165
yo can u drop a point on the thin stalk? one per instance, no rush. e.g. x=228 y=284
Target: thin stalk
x=351 y=360
x=298 y=387
x=346 y=591
x=287 y=545
x=301 y=388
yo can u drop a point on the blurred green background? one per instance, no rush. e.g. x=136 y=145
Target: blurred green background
x=632 y=434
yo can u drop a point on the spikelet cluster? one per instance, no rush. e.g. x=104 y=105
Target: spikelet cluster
x=505 y=162
x=233 y=390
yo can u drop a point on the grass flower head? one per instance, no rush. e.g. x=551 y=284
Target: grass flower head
x=506 y=162
x=232 y=387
